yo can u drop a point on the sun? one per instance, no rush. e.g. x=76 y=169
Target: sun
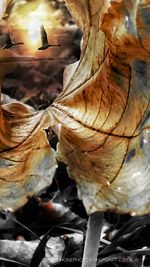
x=34 y=21
x=27 y=17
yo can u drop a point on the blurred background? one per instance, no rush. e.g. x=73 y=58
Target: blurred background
x=37 y=80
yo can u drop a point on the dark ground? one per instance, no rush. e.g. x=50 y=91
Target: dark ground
x=38 y=84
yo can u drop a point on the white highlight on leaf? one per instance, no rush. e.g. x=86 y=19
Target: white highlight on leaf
x=3 y=6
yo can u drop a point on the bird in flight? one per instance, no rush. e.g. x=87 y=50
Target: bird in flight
x=9 y=43
x=44 y=40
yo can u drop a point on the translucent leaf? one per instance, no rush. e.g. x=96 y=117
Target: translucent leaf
x=3 y=6
x=104 y=108
x=27 y=163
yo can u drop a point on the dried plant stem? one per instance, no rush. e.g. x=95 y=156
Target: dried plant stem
x=92 y=239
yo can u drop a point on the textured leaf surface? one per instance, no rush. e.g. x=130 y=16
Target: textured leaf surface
x=104 y=108
x=27 y=163
x=3 y=6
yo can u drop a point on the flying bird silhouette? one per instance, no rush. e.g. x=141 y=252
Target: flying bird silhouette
x=9 y=43
x=44 y=40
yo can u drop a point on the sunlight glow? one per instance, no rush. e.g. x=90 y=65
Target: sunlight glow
x=34 y=31
x=28 y=17
x=35 y=19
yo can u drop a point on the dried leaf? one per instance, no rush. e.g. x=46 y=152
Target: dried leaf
x=27 y=163
x=104 y=108
x=24 y=250
x=3 y=7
